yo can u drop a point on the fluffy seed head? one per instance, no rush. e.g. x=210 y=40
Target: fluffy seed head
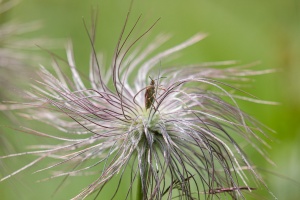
x=174 y=130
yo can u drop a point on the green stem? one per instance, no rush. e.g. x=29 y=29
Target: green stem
x=139 y=190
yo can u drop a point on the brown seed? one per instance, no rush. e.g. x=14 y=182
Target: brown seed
x=150 y=94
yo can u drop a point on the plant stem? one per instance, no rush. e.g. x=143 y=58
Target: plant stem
x=139 y=190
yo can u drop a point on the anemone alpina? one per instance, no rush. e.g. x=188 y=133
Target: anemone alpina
x=16 y=62
x=169 y=126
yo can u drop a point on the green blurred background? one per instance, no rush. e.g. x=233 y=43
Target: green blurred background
x=246 y=31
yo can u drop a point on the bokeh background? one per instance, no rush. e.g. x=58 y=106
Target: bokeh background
x=247 y=31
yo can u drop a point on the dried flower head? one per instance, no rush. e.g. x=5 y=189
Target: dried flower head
x=16 y=62
x=170 y=126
